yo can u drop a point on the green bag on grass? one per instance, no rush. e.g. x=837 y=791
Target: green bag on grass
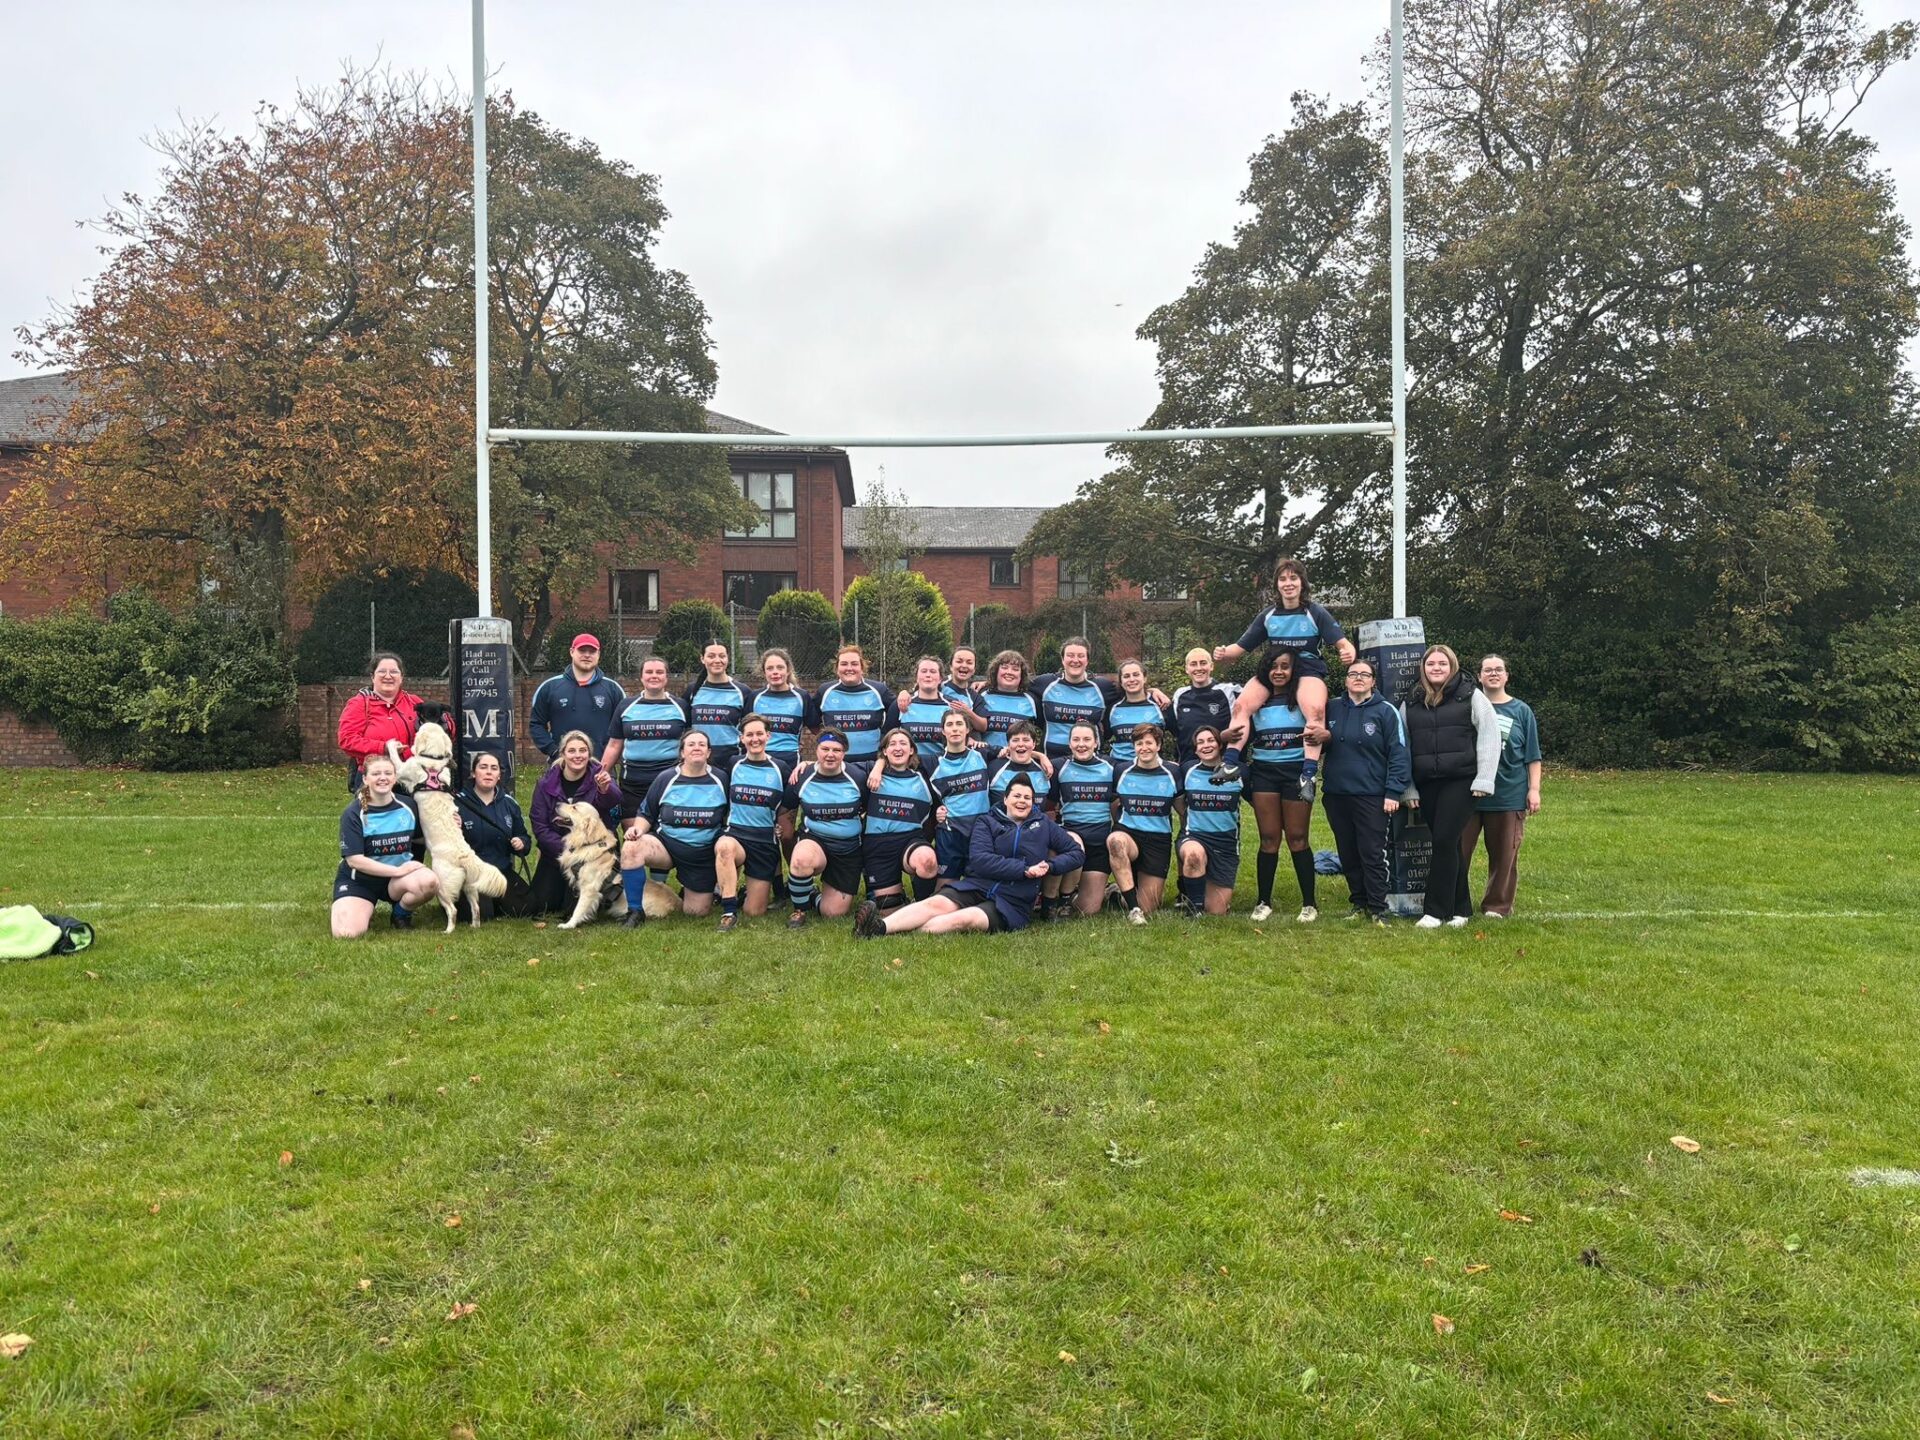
x=26 y=934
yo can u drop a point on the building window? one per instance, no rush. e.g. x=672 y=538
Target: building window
x=1163 y=590
x=633 y=592
x=1003 y=571
x=1079 y=582
x=750 y=589
x=771 y=492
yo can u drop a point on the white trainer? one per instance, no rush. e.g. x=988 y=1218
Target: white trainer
x=1428 y=922
x=1308 y=914
x=1259 y=913
x=1458 y=922
x=1136 y=916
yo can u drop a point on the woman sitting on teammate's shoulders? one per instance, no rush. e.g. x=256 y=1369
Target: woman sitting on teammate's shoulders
x=1008 y=855
x=491 y=821
x=1295 y=624
x=1365 y=775
x=573 y=775
x=380 y=848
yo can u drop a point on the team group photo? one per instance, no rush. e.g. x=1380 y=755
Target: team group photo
x=766 y=722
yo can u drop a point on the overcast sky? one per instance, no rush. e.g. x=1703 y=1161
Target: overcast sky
x=902 y=218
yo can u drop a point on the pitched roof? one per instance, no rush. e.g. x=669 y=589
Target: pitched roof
x=32 y=407
x=957 y=527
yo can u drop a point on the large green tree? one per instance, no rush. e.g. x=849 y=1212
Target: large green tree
x=1663 y=440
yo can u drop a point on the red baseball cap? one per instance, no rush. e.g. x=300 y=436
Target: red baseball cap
x=590 y=641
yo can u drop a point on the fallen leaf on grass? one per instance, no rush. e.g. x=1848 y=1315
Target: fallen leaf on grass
x=896 y=962
x=1720 y=1399
x=539 y=924
x=365 y=1284
x=1442 y=1325
x=1591 y=1259
x=1686 y=1146
x=154 y=1209
x=475 y=1079
x=92 y=975
x=1476 y=1269
x=1516 y=1217
x=1066 y=1357
x=286 y=1158
x=460 y=1432
x=534 y=961
x=463 y=1309
x=452 y=1222
x=1105 y=1028
x=14 y=1346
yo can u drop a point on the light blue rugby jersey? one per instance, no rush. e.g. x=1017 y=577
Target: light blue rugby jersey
x=1146 y=798
x=1213 y=811
x=901 y=805
x=717 y=710
x=1002 y=713
x=860 y=712
x=1002 y=775
x=1086 y=793
x=1122 y=716
x=1301 y=631
x=785 y=712
x=831 y=805
x=1279 y=734
x=922 y=719
x=960 y=783
x=650 y=731
x=689 y=810
x=756 y=793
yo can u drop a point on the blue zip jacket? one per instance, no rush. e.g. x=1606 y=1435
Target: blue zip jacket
x=563 y=703
x=999 y=850
x=1367 y=754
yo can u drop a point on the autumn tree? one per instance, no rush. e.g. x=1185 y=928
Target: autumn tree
x=268 y=368
x=274 y=369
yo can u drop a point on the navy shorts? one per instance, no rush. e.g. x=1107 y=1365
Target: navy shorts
x=763 y=853
x=694 y=865
x=635 y=781
x=1305 y=662
x=1156 y=852
x=1094 y=840
x=969 y=898
x=1223 y=856
x=844 y=865
x=1269 y=777
x=350 y=884
x=884 y=857
x=951 y=843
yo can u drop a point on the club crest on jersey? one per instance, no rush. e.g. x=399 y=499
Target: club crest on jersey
x=1370 y=727
x=599 y=702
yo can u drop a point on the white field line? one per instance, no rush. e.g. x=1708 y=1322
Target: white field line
x=157 y=819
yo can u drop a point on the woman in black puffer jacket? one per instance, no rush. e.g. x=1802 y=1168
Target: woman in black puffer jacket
x=1453 y=738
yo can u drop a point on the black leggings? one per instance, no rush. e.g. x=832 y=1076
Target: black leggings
x=1360 y=831
x=1446 y=806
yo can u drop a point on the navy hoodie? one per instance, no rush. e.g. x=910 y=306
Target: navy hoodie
x=1368 y=752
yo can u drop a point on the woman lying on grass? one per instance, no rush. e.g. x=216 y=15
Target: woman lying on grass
x=1007 y=858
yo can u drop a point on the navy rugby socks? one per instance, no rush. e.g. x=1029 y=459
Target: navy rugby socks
x=1303 y=872
x=801 y=889
x=1266 y=865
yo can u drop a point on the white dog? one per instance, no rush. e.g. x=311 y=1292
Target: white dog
x=428 y=773
x=590 y=859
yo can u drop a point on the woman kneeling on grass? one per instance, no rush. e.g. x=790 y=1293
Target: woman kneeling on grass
x=380 y=847
x=1007 y=858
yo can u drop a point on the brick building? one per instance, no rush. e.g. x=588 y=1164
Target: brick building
x=807 y=538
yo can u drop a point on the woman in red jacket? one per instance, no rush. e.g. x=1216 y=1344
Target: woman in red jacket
x=383 y=711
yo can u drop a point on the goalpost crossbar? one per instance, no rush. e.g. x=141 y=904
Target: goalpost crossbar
x=1380 y=428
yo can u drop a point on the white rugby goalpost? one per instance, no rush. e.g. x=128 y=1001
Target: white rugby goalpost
x=1395 y=429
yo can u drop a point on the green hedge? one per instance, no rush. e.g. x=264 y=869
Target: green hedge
x=921 y=623
x=411 y=612
x=686 y=629
x=147 y=687
x=805 y=625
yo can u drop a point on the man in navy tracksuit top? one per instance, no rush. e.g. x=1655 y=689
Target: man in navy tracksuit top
x=578 y=698
x=1365 y=770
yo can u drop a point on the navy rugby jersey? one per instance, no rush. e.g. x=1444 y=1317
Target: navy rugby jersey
x=902 y=803
x=716 y=710
x=1146 y=798
x=1003 y=712
x=1300 y=631
x=787 y=713
x=1213 y=811
x=951 y=690
x=689 y=810
x=1002 y=773
x=862 y=711
x=390 y=834
x=960 y=783
x=831 y=805
x=1086 y=793
x=650 y=732
x=1122 y=716
x=1066 y=703
x=756 y=792
x=1278 y=734
x=922 y=719
x=1197 y=707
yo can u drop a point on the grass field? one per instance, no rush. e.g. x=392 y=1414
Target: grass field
x=1202 y=1179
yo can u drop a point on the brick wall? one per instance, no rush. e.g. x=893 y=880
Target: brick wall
x=30 y=745
x=27 y=598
